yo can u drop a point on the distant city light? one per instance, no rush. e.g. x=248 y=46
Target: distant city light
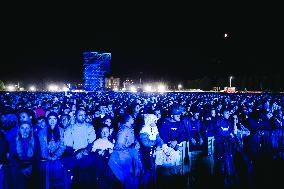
x=148 y=88
x=11 y=88
x=179 y=86
x=161 y=88
x=77 y=90
x=32 y=88
x=64 y=88
x=115 y=89
x=133 y=89
x=226 y=35
x=53 y=88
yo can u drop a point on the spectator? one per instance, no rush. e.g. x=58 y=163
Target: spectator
x=51 y=138
x=79 y=139
x=41 y=124
x=24 y=156
x=127 y=169
x=52 y=149
x=150 y=140
x=65 y=121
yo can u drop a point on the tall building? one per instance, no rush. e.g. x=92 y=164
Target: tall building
x=128 y=83
x=95 y=67
x=112 y=83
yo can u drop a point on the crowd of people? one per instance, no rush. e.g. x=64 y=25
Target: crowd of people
x=140 y=140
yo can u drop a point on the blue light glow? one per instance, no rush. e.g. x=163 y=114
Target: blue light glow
x=95 y=67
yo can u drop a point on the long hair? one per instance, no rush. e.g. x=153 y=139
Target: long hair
x=125 y=118
x=125 y=138
x=29 y=113
x=55 y=133
x=20 y=143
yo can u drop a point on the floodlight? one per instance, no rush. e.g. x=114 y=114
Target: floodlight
x=148 y=88
x=32 y=88
x=11 y=88
x=161 y=88
x=53 y=87
x=64 y=88
x=133 y=89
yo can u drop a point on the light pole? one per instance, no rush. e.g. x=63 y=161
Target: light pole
x=140 y=79
x=231 y=77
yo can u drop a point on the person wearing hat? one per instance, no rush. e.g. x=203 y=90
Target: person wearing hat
x=150 y=142
x=173 y=133
x=172 y=130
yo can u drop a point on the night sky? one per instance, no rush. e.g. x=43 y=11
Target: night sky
x=172 y=48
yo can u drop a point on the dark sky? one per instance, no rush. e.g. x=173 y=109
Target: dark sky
x=172 y=48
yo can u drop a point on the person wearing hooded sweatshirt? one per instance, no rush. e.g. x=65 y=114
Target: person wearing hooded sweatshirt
x=150 y=140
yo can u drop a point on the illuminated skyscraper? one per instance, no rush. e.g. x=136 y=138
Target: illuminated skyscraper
x=95 y=68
